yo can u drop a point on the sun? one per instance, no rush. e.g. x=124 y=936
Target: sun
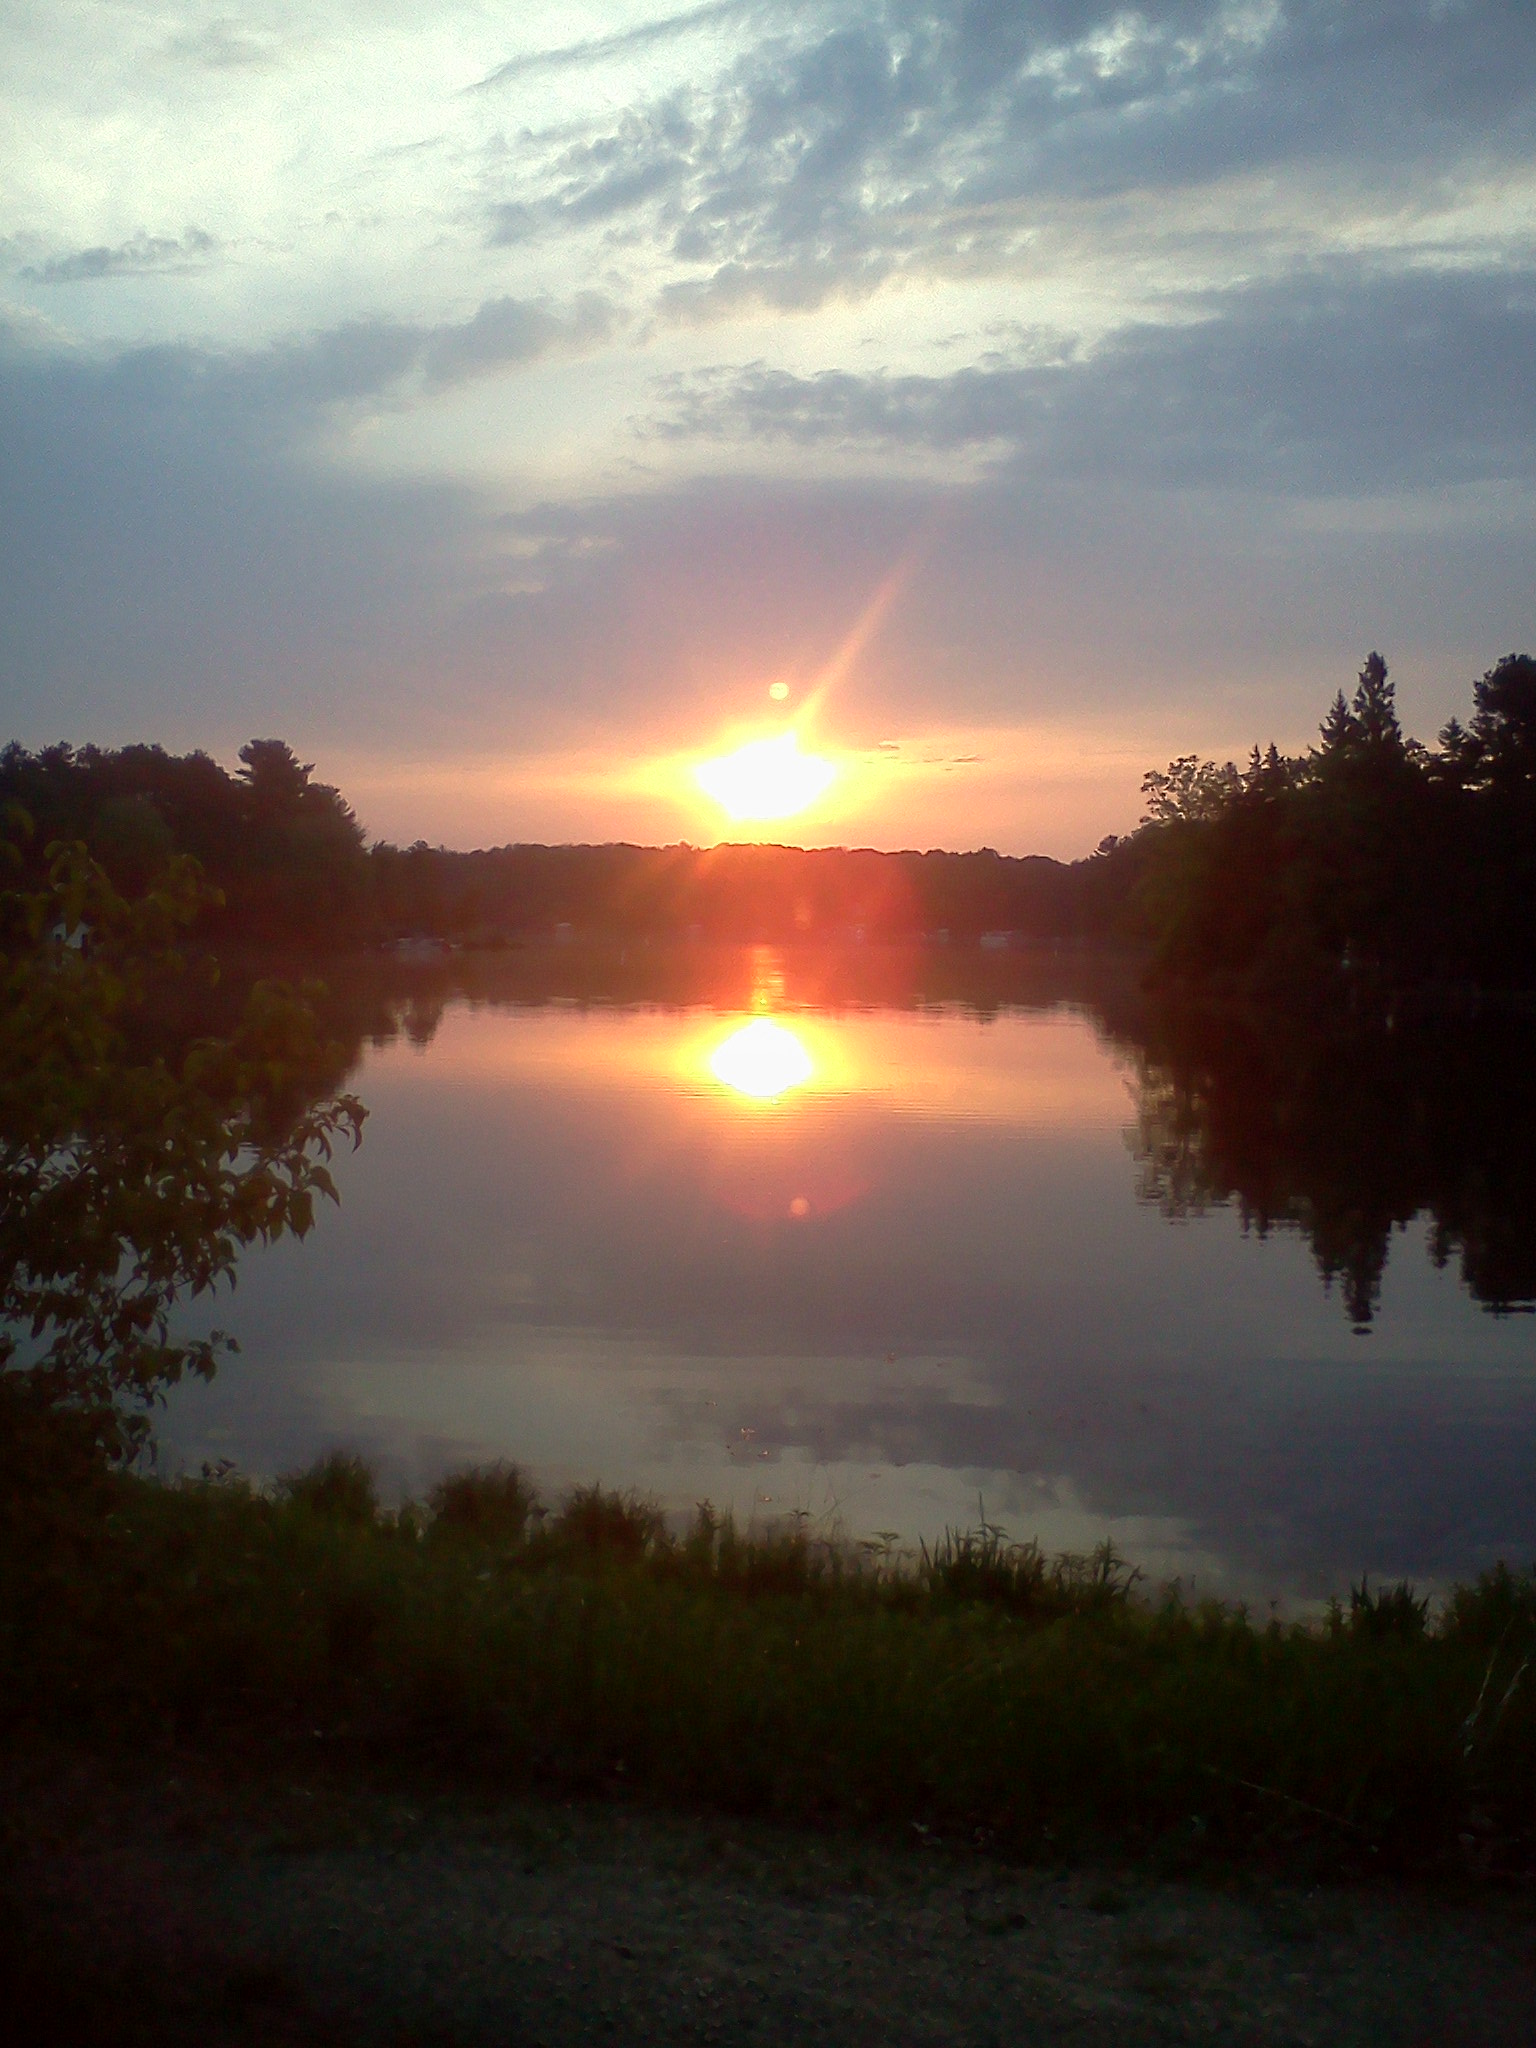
x=766 y=779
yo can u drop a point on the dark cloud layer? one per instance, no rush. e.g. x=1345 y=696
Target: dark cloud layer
x=281 y=393
x=844 y=146
x=174 y=553
x=173 y=567
x=1322 y=385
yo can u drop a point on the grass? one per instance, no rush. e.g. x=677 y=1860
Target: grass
x=977 y=1691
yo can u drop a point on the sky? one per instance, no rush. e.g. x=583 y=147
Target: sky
x=515 y=407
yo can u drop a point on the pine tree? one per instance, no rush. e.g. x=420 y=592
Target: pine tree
x=1375 y=710
x=1340 y=730
x=1504 y=722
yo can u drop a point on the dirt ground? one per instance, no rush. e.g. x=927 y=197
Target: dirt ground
x=167 y=1908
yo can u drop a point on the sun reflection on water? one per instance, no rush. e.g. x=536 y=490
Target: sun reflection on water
x=762 y=1059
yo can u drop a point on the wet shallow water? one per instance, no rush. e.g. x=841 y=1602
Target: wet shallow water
x=887 y=1263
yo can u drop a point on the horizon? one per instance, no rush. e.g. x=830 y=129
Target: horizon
x=764 y=840
x=967 y=410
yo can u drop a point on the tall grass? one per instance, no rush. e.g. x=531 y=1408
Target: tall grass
x=979 y=1688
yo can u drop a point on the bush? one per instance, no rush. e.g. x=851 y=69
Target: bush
x=613 y=1525
x=340 y=1487
x=1394 y=1611
x=489 y=1504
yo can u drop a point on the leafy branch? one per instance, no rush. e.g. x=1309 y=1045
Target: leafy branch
x=130 y=1181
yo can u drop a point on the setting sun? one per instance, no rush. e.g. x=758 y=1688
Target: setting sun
x=766 y=779
x=762 y=1059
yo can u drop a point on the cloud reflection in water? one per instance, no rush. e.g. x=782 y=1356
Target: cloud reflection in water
x=917 y=1272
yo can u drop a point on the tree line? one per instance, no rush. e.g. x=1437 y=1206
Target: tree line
x=283 y=852
x=291 y=863
x=1367 y=864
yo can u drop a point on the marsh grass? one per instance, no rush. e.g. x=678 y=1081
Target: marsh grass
x=340 y=1486
x=978 y=1691
x=981 y=1565
x=493 y=1504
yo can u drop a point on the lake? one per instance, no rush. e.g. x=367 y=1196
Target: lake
x=898 y=1240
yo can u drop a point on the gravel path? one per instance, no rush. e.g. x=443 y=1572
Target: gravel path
x=175 y=1911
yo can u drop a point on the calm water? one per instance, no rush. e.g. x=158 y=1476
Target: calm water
x=853 y=1242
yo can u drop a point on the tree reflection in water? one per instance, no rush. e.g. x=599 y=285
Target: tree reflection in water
x=1347 y=1134
x=1345 y=1131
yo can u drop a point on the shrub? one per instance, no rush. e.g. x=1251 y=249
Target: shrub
x=488 y=1504
x=1394 y=1611
x=340 y=1487
x=614 y=1525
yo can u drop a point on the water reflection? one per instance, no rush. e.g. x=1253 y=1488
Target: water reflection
x=1348 y=1138
x=921 y=1273
x=762 y=1059
x=1344 y=1138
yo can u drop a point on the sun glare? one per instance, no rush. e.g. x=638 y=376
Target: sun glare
x=762 y=1059
x=766 y=779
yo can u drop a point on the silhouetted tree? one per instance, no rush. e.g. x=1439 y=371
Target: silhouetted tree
x=1369 y=865
x=1340 y=730
x=1504 y=723
x=277 y=780
x=283 y=851
x=1373 y=715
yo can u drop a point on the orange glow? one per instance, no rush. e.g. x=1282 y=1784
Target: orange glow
x=766 y=779
x=763 y=1059
x=1016 y=1072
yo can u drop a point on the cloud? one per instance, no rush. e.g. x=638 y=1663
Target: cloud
x=367 y=359
x=175 y=550
x=225 y=45
x=505 y=333
x=1153 y=537
x=279 y=394
x=139 y=255
x=1322 y=384
x=836 y=150
x=171 y=569
x=623 y=42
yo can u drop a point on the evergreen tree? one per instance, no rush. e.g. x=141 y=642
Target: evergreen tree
x=1340 y=730
x=1504 y=721
x=1374 y=712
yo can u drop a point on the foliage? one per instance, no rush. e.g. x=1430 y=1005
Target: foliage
x=1191 y=792
x=1367 y=866
x=340 y=1486
x=129 y=1179
x=981 y=1564
x=1389 y=1611
x=778 y=1672
x=594 y=1523
x=489 y=1504
x=284 y=852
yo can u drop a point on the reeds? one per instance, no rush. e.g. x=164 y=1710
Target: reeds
x=980 y=1688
